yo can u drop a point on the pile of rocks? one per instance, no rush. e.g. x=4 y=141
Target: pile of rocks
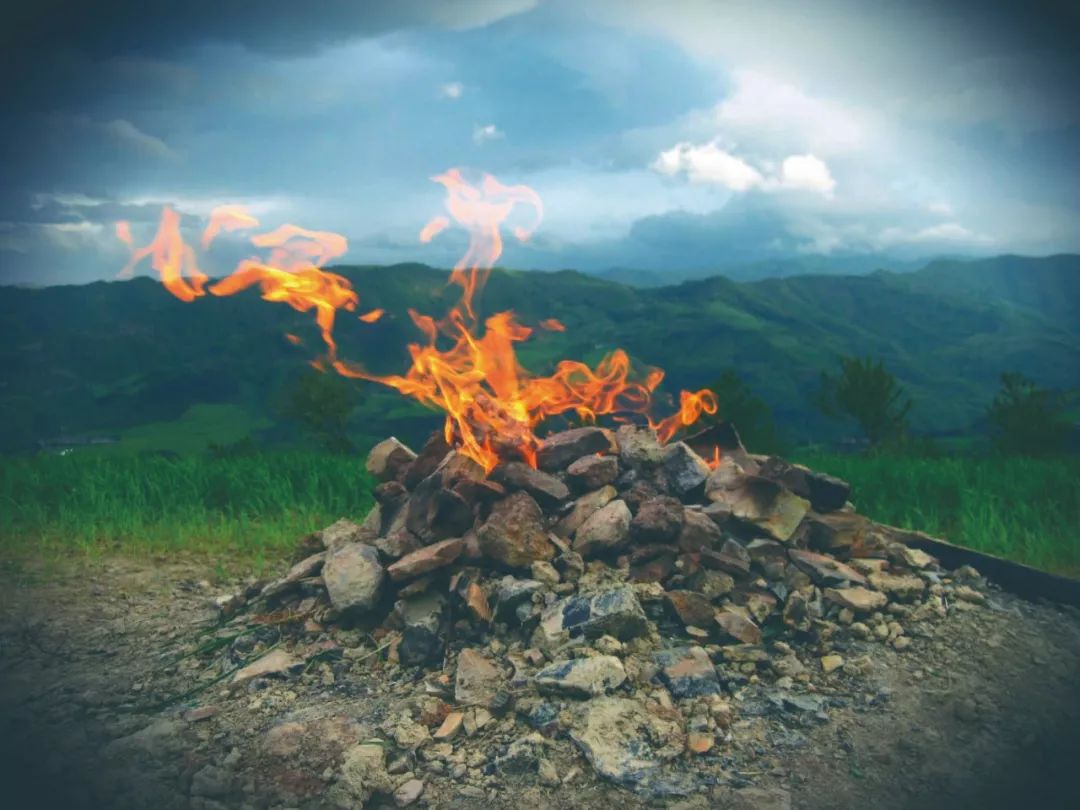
x=619 y=595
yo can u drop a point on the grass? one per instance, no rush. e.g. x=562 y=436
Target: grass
x=1023 y=509
x=249 y=509
x=253 y=509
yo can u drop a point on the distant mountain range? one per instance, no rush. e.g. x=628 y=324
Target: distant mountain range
x=105 y=357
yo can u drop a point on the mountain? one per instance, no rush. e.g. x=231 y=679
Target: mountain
x=760 y=270
x=106 y=357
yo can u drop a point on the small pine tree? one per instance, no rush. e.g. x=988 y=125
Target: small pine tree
x=1025 y=419
x=749 y=413
x=322 y=403
x=867 y=392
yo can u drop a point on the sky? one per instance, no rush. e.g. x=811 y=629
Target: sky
x=675 y=137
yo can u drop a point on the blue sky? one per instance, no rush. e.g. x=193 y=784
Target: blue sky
x=666 y=136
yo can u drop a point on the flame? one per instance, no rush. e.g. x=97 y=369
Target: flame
x=466 y=368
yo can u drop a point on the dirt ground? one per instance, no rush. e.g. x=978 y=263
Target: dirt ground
x=983 y=710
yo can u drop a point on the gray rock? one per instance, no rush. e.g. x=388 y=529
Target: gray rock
x=477 y=681
x=421 y=618
x=556 y=452
x=825 y=570
x=389 y=459
x=582 y=677
x=758 y=501
x=511 y=594
x=638 y=446
x=686 y=471
x=606 y=530
x=353 y=576
x=307 y=567
x=687 y=672
x=548 y=490
x=731 y=557
x=514 y=533
x=584 y=507
x=615 y=612
x=408 y=793
x=363 y=772
x=593 y=472
x=345 y=531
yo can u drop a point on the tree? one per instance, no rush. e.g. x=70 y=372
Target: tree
x=322 y=404
x=867 y=392
x=1025 y=419
x=749 y=413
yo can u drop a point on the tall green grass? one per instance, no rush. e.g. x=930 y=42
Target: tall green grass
x=250 y=506
x=1024 y=509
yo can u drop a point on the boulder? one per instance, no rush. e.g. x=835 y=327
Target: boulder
x=548 y=490
x=583 y=507
x=558 y=451
x=345 y=531
x=353 y=576
x=825 y=493
x=428 y=558
x=638 y=446
x=687 y=672
x=389 y=459
x=514 y=533
x=614 y=612
x=582 y=677
x=699 y=531
x=658 y=520
x=684 y=469
x=605 y=530
x=592 y=472
x=758 y=501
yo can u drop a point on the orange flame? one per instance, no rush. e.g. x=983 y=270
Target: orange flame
x=466 y=369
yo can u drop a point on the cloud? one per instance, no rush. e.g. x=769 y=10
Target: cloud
x=941 y=208
x=708 y=163
x=483 y=133
x=452 y=90
x=943 y=234
x=119 y=132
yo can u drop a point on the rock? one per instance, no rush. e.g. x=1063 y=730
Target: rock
x=825 y=570
x=548 y=773
x=692 y=608
x=626 y=743
x=911 y=557
x=428 y=558
x=556 y=452
x=450 y=726
x=825 y=493
x=659 y=519
x=548 y=490
x=275 y=664
x=432 y=454
x=477 y=603
x=477 y=680
x=398 y=540
x=698 y=532
x=796 y=613
x=687 y=672
x=422 y=639
x=353 y=576
x=514 y=533
x=605 y=530
x=583 y=508
x=582 y=677
x=731 y=557
x=737 y=626
x=363 y=772
x=521 y=756
x=700 y=742
x=858 y=599
x=615 y=612
x=543 y=571
x=899 y=586
x=686 y=471
x=758 y=501
x=838 y=531
x=745 y=654
x=345 y=531
x=511 y=594
x=308 y=567
x=760 y=605
x=831 y=663
x=965 y=593
x=592 y=472
x=408 y=793
x=389 y=459
x=712 y=584
x=638 y=446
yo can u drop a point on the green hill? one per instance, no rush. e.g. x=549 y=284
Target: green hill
x=110 y=357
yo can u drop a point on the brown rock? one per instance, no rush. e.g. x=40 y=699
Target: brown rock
x=760 y=605
x=731 y=557
x=548 y=490
x=758 y=501
x=514 y=533
x=825 y=493
x=390 y=493
x=900 y=586
x=389 y=459
x=450 y=726
x=837 y=531
x=428 y=558
x=477 y=602
x=659 y=520
x=700 y=742
x=605 y=530
x=861 y=600
x=583 y=507
x=592 y=472
x=477 y=679
x=638 y=446
x=698 y=531
x=738 y=627
x=275 y=664
x=692 y=608
x=408 y=793
x=825 y=570
x=431 y=456
x=556 y=452
x=712 y=584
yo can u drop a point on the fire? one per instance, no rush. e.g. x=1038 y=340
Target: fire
x=465 y=367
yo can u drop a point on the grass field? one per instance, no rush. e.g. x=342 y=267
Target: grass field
x=1023 y=509
x=255 y=508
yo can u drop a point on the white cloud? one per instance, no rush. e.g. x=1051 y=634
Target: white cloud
x=708 y=163
x=452 y=90
x=944 y=234
x=807 y=173
x=941 y=208
x=486 y=132
x=126 y=134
